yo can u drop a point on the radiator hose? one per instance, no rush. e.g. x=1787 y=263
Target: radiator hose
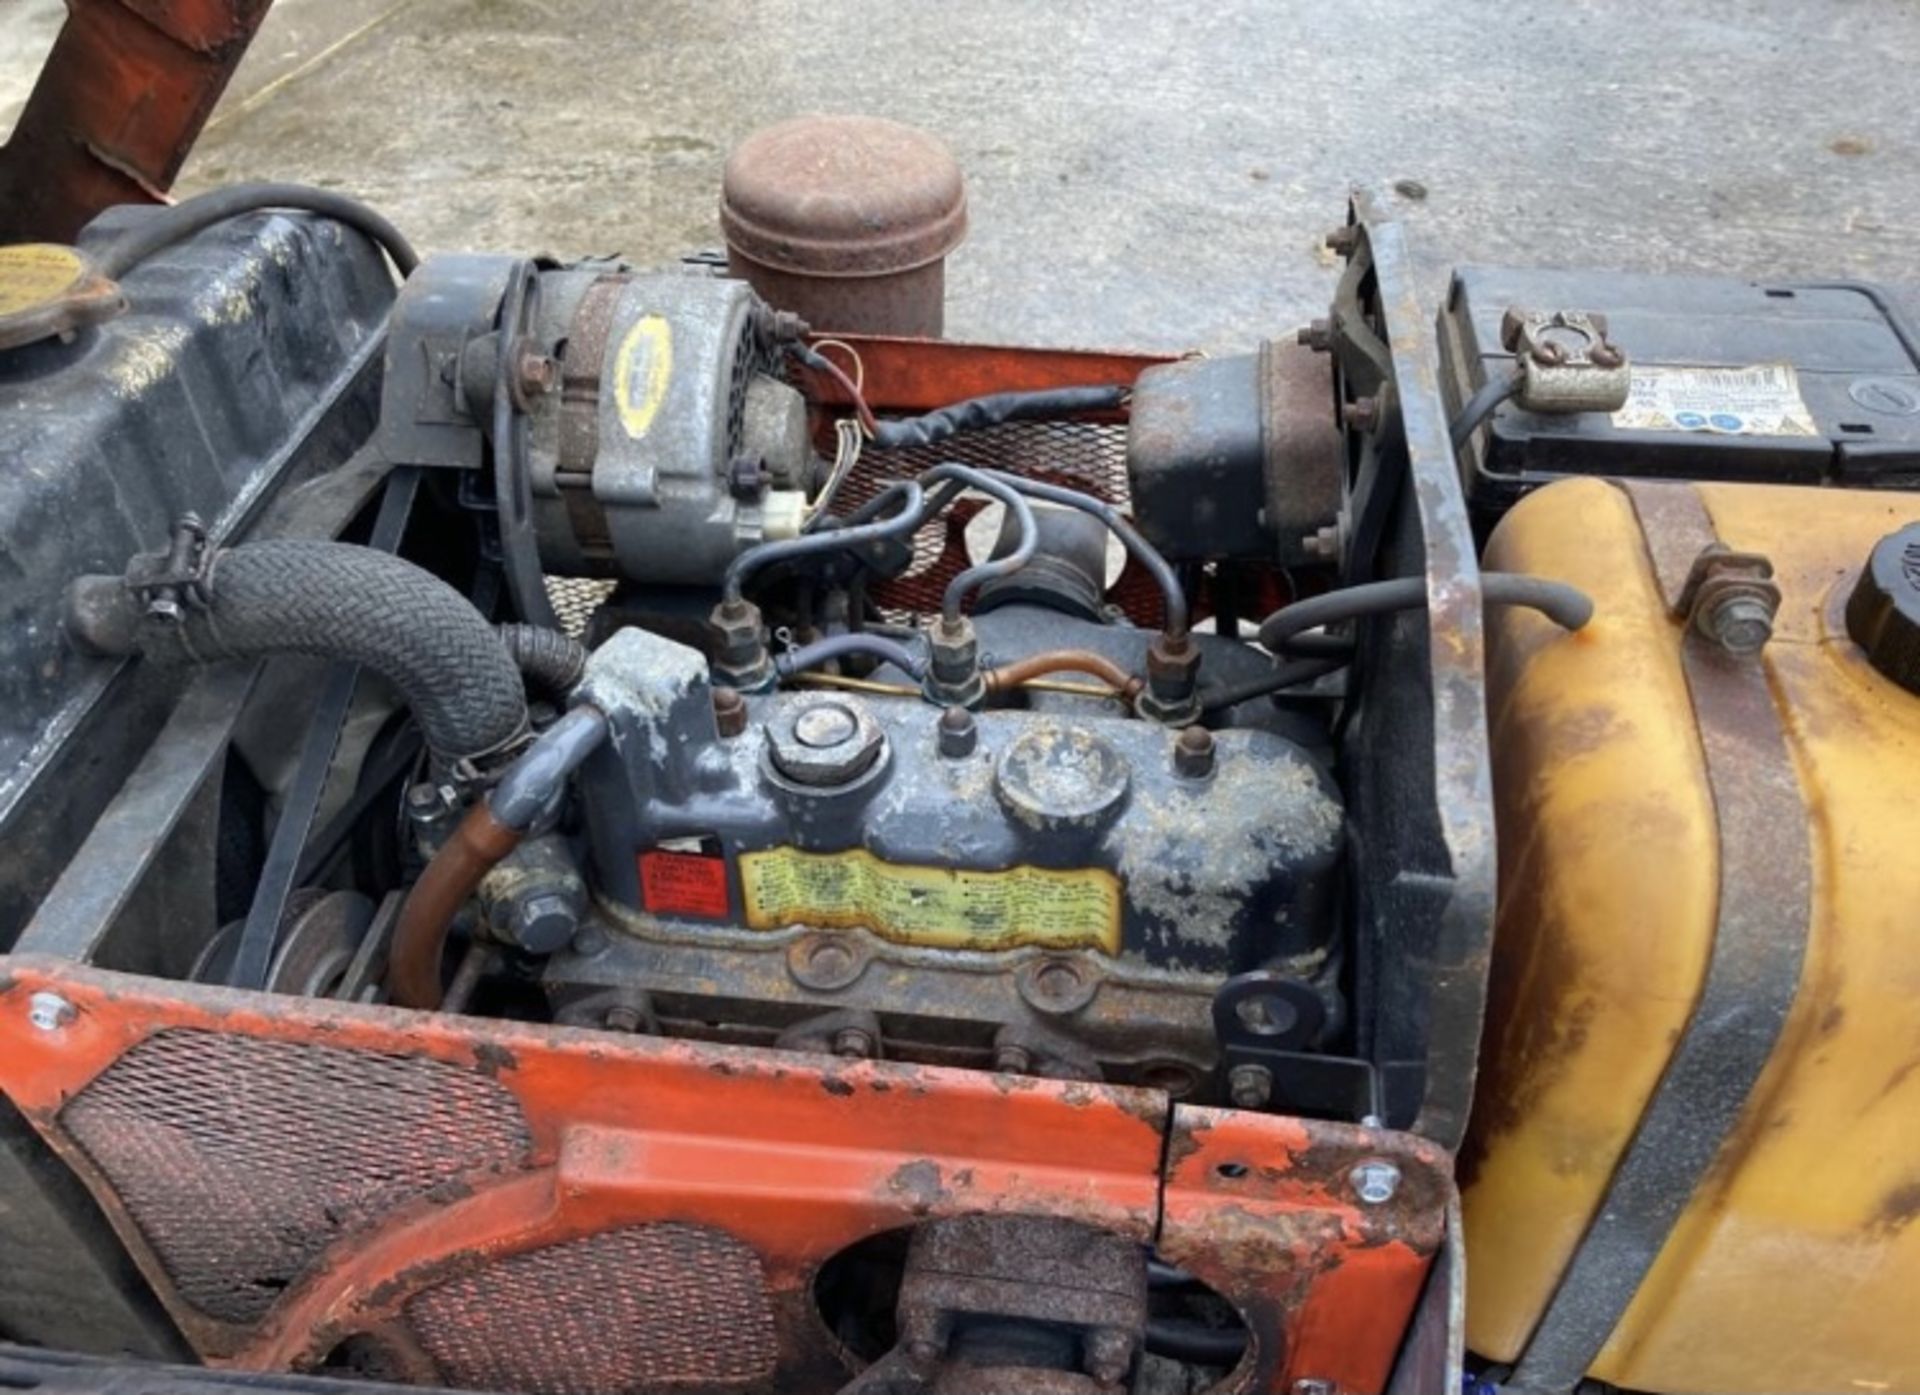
x=333 y=601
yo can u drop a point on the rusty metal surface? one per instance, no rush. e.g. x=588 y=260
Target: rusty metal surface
x=123 y=95
x=240 y=1161
x=970 y=1279
x=846 y=221
x=1418 y=772
x=1752 y=977
x=1266 y=1209
x=637 y=1308
x=794 y=1157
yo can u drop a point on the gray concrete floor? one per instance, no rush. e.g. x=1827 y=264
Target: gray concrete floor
x=1145 y=173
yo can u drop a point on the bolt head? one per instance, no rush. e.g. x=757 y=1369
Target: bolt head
x=729 y=712
x=1317 y=335
x=543 y=922
x=854 y=1043
x=1344 y=240
x=1012 y=1059
x=1374 y=1182
x=1362 y=414
x=1249 y=1086
x=49 y=1012
x=1741 y=624
x=623 y=1017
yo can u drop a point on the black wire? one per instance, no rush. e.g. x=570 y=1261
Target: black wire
x=1283 y=676
x=992 y=410
x=978 y=575
x=1480 y=406
x=184 y=219
x=903 y=522
x=1565 y=605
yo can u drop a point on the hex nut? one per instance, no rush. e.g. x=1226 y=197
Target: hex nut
x=854 y=1043
x=959 y=734
x=1740 y=623
x=953 y=663
x=1193 y=753
x=1172 y=694
x=829 y=740
x=543 y=922
x=740 y=645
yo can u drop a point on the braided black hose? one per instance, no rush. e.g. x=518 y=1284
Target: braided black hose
x=551 y=661
x=334 y=601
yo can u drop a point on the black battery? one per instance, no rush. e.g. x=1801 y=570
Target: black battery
x=1777 y=383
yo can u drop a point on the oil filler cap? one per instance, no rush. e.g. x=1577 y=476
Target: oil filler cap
x=1883 y=613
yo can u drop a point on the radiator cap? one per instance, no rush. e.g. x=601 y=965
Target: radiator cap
x=47 y=290
x=1883 y=613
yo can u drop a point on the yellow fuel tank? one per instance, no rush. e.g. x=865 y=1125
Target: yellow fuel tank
x=1794 y=1261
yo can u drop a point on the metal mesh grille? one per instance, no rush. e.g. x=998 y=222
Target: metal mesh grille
x=1088 y=456
x=616 y=1313
x=574 y=600
x=241 y=1159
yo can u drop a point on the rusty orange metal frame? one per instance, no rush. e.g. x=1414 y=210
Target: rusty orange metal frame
x=797 y=1156
x=122 y=98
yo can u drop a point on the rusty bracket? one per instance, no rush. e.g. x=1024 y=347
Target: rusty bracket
x=1731 y=598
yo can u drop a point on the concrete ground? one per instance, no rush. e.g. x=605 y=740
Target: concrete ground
x=1145 y=173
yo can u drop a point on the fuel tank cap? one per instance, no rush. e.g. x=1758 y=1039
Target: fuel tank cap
x=1883 y=613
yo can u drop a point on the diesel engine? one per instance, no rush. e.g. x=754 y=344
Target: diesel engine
x=578 y=827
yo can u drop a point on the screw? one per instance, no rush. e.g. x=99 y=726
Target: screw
x=729 y=711
x=1374 y=1182
x=1344 y=240
x=1193 y=754
x=1362 y=414
x=959 y=733
x=1740 y=624
x=854 y=1043
x=1316 y=335
x=1323 y=544
x=164 y=608
x=1011 y=1058
x=1249 y=1086
x=1109 y=1353
x=50 y=1012
x=533 y=374
x=623 y=1017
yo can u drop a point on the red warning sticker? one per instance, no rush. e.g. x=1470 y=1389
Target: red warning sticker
x=687 y=877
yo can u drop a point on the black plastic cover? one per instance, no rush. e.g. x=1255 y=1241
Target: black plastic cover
x=236 y=346
x=1847 y=375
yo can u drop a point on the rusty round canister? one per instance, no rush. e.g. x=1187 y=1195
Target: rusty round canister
x=846 y=221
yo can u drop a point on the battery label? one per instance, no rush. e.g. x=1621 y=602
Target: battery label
x=948 y=908
x=1762 y=400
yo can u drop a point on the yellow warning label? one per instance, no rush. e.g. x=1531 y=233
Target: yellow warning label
x=945 y=907
x=33 y=273
x=641 y=372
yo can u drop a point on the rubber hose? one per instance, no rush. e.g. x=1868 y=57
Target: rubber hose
x=338 y=601
x=551 y=661
x=887 y=651
x=1565 y=605
x=992 y=410
x=1190 y=1342
x=170 y=225
x=1480 y=406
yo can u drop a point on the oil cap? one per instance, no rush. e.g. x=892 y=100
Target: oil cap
x=1883 y=613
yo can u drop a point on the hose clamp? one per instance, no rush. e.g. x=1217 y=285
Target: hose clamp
x=169 y=584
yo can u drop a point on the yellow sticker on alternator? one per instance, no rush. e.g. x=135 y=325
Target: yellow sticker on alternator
x=947 y=908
